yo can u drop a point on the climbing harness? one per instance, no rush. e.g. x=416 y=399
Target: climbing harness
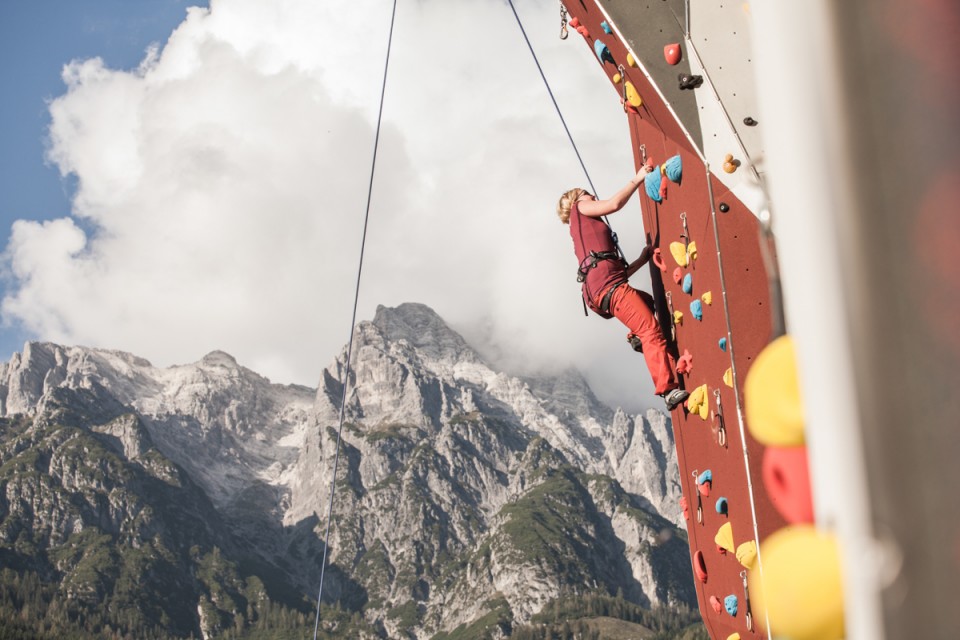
x=721 y=425
x=353 y=323
x=563 y=22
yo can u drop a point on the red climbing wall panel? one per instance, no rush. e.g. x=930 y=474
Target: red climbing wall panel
x=729 y=265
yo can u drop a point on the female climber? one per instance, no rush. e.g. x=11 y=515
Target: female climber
x=604 y=276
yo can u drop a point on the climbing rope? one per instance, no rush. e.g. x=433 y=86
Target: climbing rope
x=353 y=322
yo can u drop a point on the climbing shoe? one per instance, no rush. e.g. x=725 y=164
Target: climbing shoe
x=674 y=397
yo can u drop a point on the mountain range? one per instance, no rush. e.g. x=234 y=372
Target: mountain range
x=192 y=500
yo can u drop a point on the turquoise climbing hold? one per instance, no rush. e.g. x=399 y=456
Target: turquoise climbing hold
x=706 y=476
x=674 y=169
x=696 y=308
x=606 y=28
x=652 y=183
x=723 y=344
x=730 y=604
x=688 y=283
x=602 y=51
x=722 y=506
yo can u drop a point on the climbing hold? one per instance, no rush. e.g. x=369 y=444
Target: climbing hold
x=658 y=260
x=723 y=344
x=617 y=78
x=603 y=53
x=722 y=506
x=663 y=183
x=733 y=636
x=688 y=81
x=801 y=592
x=688 y=283
x=747 y=553
x=696 y=308
x=652 y=185
x=730 y=604
x=630 y=60
x=729 y=164
x=606 y=28
x=699 y=566
x=679 y=252
x=692 y=250
x=724 y=207
x=724 y=537
x=698 y=402
x=673 y=168
x=685 y=507
x=685 y=362
x=786 y=475
x=772 y=392
x=707 y=298
x=706 y=476
x=750 y=122
x=574 y=22
x=678 y=317
x=671 y=53
x=633 y=98
x=677 y=275
x=728 y=377
x=715 y=603
x=582 y=30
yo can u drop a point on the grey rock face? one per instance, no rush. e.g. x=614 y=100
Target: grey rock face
x=457 y=485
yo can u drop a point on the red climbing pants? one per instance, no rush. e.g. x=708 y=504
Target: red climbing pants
x=633 y=309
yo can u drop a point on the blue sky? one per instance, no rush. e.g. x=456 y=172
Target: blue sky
x=37 y=39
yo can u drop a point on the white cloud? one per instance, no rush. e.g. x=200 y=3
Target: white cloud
x=222 y=187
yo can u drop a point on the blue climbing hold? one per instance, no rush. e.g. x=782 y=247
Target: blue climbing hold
x=652 y=182
x=730 y=604
x=688 y=283
x=722 y=506
x=602 y=51
x=696 y=308
x=606 y=28
x=706 y=476
x=723 y=344
x=674 y=169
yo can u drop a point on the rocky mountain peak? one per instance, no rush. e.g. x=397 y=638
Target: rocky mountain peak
x=422 y=328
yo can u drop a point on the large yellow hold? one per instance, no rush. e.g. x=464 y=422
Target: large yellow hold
x=633 y=97
x=772 y=395
x=698 y=403
x=802 y=588
x=679 y=252
x=724 y=537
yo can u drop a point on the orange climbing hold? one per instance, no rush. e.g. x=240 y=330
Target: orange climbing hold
x=786 y=475
x=671 y=53
x=685 y=362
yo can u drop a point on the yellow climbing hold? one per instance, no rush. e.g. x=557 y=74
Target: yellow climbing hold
x=801 y=591
x=692 y=250
x=617 y=78
x=747 y=554
x=724 y=537
x=707 y=297
x=632 y=96
x=630 y=60
x=728 y=377
x=698 y=402
x=678 y=317
x=733 y=636
x=772 y=396
x=679 y=252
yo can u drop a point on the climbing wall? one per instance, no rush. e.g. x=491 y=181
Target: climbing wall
x=709 y=279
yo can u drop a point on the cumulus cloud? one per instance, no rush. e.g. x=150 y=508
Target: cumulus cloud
x=222 y=184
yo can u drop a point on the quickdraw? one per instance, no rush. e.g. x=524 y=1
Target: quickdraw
x=685 y=235
x=721 y=424
x=673 y=322
x=563 y=22
x=696 y=474
x=748 y=616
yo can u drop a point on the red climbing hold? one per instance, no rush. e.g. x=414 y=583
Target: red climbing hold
x=716 y=604
x=700 y=566
x=677 y=275
x=704 y=488
x=786 y=476
x=658 y=260
x=685 y=507
x=574 y=22
x=685 y=362
x=672 y=53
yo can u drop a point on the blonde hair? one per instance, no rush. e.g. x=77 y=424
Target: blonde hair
x=566 y=203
